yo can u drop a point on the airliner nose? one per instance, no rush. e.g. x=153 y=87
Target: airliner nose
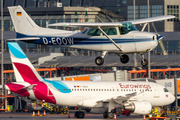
x=172 y=98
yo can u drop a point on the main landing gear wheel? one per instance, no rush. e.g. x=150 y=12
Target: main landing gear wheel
x=144 y=63
x=105 y=115
x=124 y=59
x=110 y=115
x=79 y=114
x=99 y=60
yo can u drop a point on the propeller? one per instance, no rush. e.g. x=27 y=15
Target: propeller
x=159 y=38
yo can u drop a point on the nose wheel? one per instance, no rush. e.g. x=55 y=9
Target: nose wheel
x=124 y=59
x=144 y=62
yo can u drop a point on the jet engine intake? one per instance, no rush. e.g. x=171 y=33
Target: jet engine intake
x=138 y=107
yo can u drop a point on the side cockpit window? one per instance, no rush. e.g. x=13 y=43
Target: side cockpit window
x=126 y=28
x=94 y=32
x=110 y=31
x=165 y=90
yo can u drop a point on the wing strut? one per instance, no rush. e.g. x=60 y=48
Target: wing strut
x=144 y=26
x=110 y=39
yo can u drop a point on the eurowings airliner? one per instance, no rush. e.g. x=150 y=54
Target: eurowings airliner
x=101 y=97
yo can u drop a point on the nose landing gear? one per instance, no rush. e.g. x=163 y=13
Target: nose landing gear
x=144 y=62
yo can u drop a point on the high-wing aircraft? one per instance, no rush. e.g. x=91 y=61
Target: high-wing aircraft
x=100 y=97
x=119 y=37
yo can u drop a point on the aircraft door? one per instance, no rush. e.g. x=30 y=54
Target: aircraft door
x=107 y=44
x=94 y=40
x=126 y=39
x=156 y=91
x=135 y=44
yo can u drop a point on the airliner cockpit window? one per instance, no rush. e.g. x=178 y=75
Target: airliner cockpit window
x=165 y=90
x=94 y=32
x=126 y=28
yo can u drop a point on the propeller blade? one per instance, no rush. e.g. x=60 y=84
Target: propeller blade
x=159 y=37
x=162 y=47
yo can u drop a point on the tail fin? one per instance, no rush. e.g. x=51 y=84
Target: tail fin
x=22 y=22
x=23 y=69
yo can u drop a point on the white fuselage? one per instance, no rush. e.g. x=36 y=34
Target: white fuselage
x=132 y=42
x=76 y=92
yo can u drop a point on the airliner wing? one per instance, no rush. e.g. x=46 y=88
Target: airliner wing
x=114 y=24
x=119 y=98
x=152 y=19
x=25 y=38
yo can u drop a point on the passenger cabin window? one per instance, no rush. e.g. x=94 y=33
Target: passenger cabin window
x=110 y=31
x=94 y=32
x=126 y=28
x=165 y=90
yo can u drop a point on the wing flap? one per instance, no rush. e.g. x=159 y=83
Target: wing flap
x=116 y=24
x=25 y=38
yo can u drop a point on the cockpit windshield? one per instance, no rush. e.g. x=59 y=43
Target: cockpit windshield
x=165 y=90
x=126 y=28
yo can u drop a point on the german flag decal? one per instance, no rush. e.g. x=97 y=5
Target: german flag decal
x=19 y=14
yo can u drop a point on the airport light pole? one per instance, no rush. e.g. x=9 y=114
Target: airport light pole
x=2 y=47
x=149 y=53
x=134 y=9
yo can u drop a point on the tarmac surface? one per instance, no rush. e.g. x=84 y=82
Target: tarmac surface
x=27 y=116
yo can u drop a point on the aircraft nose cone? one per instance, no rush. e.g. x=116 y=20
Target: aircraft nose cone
x=159 y=37
x=172 y=98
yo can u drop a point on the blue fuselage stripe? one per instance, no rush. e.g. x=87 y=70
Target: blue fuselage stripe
x=66 y=41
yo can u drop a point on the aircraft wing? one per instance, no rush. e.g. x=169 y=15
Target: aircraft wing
x=117 y=99
x=25 y=38
x=120 y=98
x=152 y=19
x=116 y=24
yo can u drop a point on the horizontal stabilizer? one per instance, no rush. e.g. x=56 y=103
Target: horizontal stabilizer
x=28 y=87
x=25 y=38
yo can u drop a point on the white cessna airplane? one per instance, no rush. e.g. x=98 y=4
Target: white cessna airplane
x=101 y=97
x=119 y=37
